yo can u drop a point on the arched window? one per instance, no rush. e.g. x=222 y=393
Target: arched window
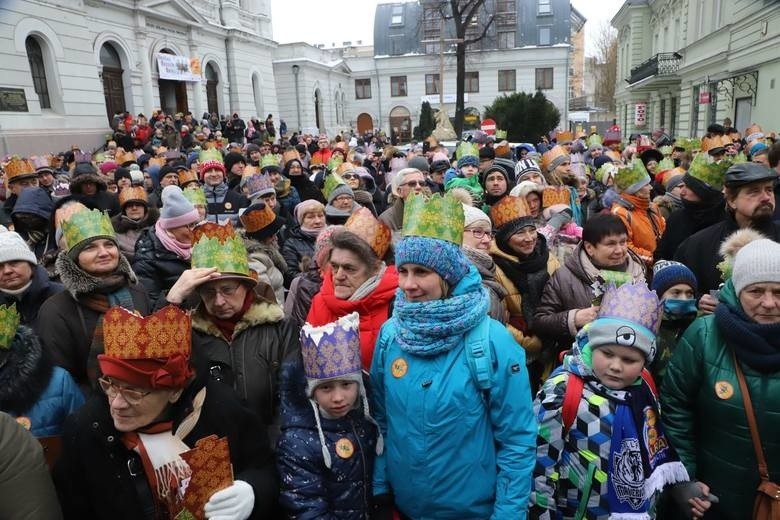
x=38 y=71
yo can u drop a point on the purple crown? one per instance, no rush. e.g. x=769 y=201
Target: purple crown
x=333 y=350
x=40 y=161
x=632 y=302
x=259 y=183
x=82 y=157
x=172 y=154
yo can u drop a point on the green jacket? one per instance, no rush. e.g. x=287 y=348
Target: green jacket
x=705 y=418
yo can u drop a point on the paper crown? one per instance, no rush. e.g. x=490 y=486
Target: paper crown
x=163 y=334
x=509 y=209
x=290 y=155
x=579 y=133
x=213 y=230
x=332 y=181
x=564 y=137
x=9 y=323
x=333 y=350
x=42 y=162
x=689 y=145
x=256 y=218
x=269 y=160
x=186 y=176
x=133 y=193
x=334 y=162
x=345 y=167
x=86 y=224
x=434 y=217
x=630 y=175
x=501 y=134
x=18 y=168
x=753 y=133
x=220 y=247
x=124 y=158
x=706 y=170
x=612 y=135
x=376 y=233
x=715 y=142
x=614 y=155
x=665 y=164
x=83 y=157
x=249 y=170
x=172 y=155
x=594 y=139
x=259 y=183
x=632 y=302
x=553 y=195
x=466 y=148
x=666 y=150
x=195 y=196
x=550 y=155
x=100 y=157
x=158 y=161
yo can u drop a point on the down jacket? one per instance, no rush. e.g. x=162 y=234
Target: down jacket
x=298 y=251
x=268 y=263
x=705 y=417
x=128 y=231
x=156 y=267
x=28 y=304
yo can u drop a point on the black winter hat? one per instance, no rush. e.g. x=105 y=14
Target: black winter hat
x=122 y=173
x=232 y=158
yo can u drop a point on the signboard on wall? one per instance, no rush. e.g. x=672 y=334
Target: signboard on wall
x=704 y=98
x=13 y=100
x=178 y=68
x=640 y=114
x=433 y=99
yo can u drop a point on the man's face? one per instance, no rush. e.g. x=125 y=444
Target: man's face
x=170 y=179
x=223 y=298
x=322 y=143
x=412 y=183
x=18 y=185
x=213 y=177
x=761 y=159
x=495 y=183
x=755 y=201
x=45 y=179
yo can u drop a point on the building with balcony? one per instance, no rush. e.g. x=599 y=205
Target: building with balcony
x=683 y=65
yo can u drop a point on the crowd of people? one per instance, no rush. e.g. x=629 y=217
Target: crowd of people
x=215 y=319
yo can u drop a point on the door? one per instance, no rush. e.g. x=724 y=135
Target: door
x=212 y=81
x=113 y=91
x=743 y=113
x=364 y=123
x=181 y=97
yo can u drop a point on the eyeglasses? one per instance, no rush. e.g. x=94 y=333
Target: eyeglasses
x=413 y=184
x=226 y=291
x=348 y=176
x=133 y=397
x=343 y=198
x=479 y=234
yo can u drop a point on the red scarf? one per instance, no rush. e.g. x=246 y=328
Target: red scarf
x=227 y=326
x=373 y=310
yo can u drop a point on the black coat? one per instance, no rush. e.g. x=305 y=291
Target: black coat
x=297 y=250
x=30 y=301
x=683 y=223
x=98 y=478
x=156 y=267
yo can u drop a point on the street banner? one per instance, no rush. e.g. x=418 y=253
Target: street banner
x=179 y=68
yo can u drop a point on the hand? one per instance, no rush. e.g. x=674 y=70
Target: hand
x=188 y=282
x=700 y=505
x=707 y=304
x=584 y=316
x=233 y=503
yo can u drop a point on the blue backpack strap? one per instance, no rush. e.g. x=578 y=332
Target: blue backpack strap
x=479 y=354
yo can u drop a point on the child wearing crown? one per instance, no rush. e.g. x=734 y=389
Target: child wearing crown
x=601 y=449
x=328 y=441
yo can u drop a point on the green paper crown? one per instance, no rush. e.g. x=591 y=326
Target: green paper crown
x=334 y=162
x=688 y=144
x=228 y=256
x=466 y=148
x=739 y=158
x=195 y=196
x=269 y=160
x=665 y=164
x=332 y=181
x=9 y=322
x=501 y=134
x=594 y=139
x=86 y=224
x=630 y=175
x=436 y=217
x=666 y=150
x=212 y=154
x=705 y=169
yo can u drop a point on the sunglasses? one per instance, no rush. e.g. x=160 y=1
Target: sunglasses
x=349 y=176
x=413 y=184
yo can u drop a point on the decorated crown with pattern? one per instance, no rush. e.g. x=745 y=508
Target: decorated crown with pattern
x=195 y=196
x=41 y=162
x=434 y=217
x=86 y=224
x=630 y=175
x=220 y=247
x=665 y=164
x=18 y=168
x=290 y=155
x=258 y=183
x=376 y=233
x=257 y=217
x=705 y=169
x=163 y=334
x=563 y=137
x=213 y=230
x=501 y=134
x=9 y=322
x=210 y=159
x=333 y=350
x=125 y=158
x=666 y=150
x=632 y=302
x=334 y=162
x=269 y=160
x=550 y=155
x=553 y=195
x=466 y=148
x=688 y=144
x=594 y=139
x=509 y=209
x=133 y=193
x=186 y=176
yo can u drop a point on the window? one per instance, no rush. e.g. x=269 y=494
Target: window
x=544 y=36
x=506 y=40
x=363 y=89
x=397 y=17
x=471 y=83
x=506 y=13
x=397 y=86
x=38 y=71
x=432 y=83
x=544 y=79
x=432 y=48
x=506 y=80
x=505 y=6
x=544 y=7
x=431 y=22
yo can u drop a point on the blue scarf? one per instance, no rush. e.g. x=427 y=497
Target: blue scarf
x=432 y=327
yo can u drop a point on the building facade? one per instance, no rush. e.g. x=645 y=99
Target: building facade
x=685 y=64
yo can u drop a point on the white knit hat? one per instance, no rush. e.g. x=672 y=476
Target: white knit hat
x=756 y=262
x=13 y=248
x=472 y=215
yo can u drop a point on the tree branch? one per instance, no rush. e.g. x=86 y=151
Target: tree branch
x=484 y=32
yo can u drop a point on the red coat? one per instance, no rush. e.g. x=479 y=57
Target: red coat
x=374 y=310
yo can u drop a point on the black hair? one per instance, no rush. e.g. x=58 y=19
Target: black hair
x=600 y=226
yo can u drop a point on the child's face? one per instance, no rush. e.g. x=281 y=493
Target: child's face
x=681 y=291
x=469 y=170
x=616 y=366
x=337 y=398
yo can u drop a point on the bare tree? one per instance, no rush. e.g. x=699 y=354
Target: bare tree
x=606 y=65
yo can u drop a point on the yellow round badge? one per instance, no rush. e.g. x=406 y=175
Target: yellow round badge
x=399 y=367
x=25 y=422
x=228 y=205
x=724 y=390
x=344 y=448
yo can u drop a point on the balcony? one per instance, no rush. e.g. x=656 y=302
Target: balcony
x=663 y=66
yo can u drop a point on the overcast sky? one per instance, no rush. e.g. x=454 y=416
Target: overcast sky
x=338 y=21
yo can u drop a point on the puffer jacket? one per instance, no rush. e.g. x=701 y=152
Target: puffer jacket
x=268 y=263
x=128 y=231
x=705 y=417
x=28 y=304
x=302 y=291
x=645 y=225
x=156 y=267
x=309 y=488
x=223 y=204
x=32 y=390
x=569 y=289
x=250 y=361
x=487 y=270
x=298 y=251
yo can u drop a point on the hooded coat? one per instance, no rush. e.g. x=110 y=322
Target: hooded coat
x=102 y=199
x=36 y=202
x=269 y=264
x=128 y=231
x=28 y=304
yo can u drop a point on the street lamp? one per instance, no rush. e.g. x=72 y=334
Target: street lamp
x=295 y=70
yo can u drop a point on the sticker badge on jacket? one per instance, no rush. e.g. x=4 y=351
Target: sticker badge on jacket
x=724 y=390
x=399 y=368
x=344 y=448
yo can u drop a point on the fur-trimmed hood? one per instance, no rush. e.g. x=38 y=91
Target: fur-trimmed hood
x=123 y=224
x=77 y=282
x=271 y=251
x=77 y=182
x=24 y=372
x=260 y=313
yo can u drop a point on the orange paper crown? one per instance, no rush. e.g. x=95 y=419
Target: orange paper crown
x=17 y=168
x=257 y=219
x=564 y=137
x=163 y=334
x=550 y=155
x=250 y=170
x=159 y=161
x=509 y=209
x=376 y=233
x=186 y=176
x=125 y=157
x=553 y=195
x=134 y=193
x=213 y=230
x=289 y=155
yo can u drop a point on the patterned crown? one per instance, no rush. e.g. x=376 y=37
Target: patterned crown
x=553 y=195
x=41 y=161
x=172 y=155
x=256 y=218
x=213 y=230
x=689 y=145
x=100 y=157
x=501 y=134
x=269 y=160
x=334 y=162
x=332 y=182
x=220 y=248
x=83 y=157
x=631 y=175
x=211 y=158
x=550 y=155
x=434 y=217
x=186 y=176
x=594 y=139
x=249 y=170
x=85 y=224
x=163 y=334
x=333 y=350
x=290 y=155
x=716 y=141
x=509 y=209
x=564 y=137
x=666 y=150
x=376 y=233
x=18 y=167
x=133 y=193
x=705 y=169
x=665 y=164
x=466 y=148
x=157 y=161
x=259 y=182
x=632 y=302
x=125 y=157
x=195 y=196
x=9 y=322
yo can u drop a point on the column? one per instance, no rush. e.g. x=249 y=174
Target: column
x=146 y=72
x=197 y=86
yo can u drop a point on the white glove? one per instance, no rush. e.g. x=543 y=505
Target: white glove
x=233 y=503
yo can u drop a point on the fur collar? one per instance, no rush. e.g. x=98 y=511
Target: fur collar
x=24 y=372
x=271 y=251
x=77 y=282
x=260 y=313
x=77 y=183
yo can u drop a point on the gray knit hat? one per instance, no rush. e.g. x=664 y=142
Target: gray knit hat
x=176 y=210
x=341 y=189
x=757 y=262
x=13 y=248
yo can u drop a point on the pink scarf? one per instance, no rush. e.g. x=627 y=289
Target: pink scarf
x=182 y=250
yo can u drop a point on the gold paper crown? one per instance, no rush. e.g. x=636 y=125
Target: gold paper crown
x=564 y=137
x=255 y=218
x=228 y=255
x=376 y=233
x=716 y=141
x=249 y=170
x=163 y=334
x=553 y=195
x=186 y=176
x=509 y=209
x=213 y=230
x=17 y=168
x=550 y=155
x=290 y=155
x=133 y=193
x=435 y=217
x=125 y=157
x=86 y=224
x=9 y=323
x=159 y=161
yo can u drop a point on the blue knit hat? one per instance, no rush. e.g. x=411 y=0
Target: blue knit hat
x=441 y=256
x=468 y=160
x=667 y=273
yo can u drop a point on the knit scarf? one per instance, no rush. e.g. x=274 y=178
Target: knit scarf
x=432 y=327
x=311 y=232
x=228 y=325
x=756 y=345
x=528 y=274
x=634 y=203
x=180 y=249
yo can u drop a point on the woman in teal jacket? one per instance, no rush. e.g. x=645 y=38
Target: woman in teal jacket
x=459 y=435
